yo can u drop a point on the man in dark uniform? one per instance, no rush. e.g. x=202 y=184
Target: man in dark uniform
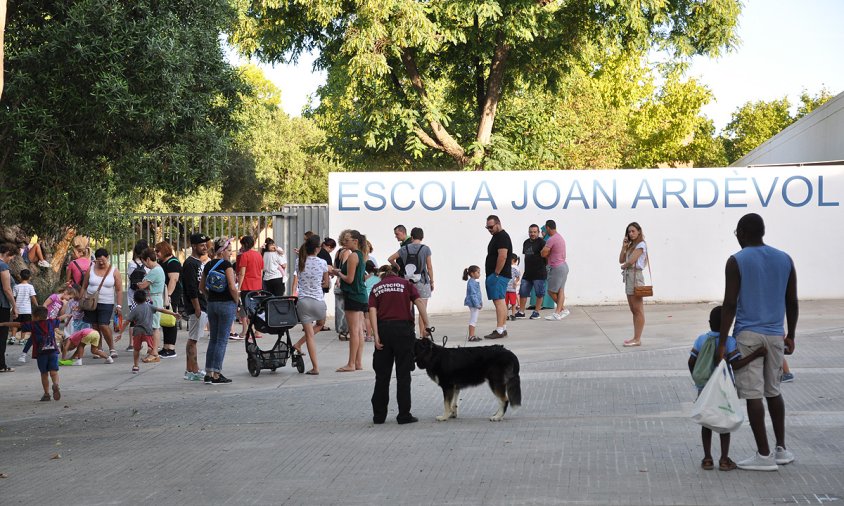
x=391 y=318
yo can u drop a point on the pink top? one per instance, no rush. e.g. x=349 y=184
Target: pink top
x=78 y=269
x=557 y=245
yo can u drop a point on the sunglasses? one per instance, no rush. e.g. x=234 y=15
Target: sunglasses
x=490 y=227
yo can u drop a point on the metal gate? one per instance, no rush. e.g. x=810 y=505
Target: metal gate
x=286 y=227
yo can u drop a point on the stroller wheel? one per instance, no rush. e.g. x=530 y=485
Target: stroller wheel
x=300 y=364
x=253 y=367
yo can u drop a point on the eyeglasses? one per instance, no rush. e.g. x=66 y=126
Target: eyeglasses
x=490 y=227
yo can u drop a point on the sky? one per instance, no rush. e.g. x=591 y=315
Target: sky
x=786 y=46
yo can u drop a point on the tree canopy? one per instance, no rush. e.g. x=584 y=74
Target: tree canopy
x=433 y=75
x=108 y=102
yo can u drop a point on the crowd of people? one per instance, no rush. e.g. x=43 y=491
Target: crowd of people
x=380 y=304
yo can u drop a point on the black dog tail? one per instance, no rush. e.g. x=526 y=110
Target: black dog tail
x=514 y=390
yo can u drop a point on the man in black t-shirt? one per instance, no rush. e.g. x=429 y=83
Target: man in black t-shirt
x=498 y=273
x=535 y=271
x=195 y=303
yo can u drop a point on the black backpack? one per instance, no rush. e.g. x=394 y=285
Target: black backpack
x=136 y=276
x=415 y=274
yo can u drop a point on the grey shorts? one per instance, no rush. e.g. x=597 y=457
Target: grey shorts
x=557 y=277
x=424 y=290
x=310 y=310
x=761 y=377
x=196 y=326
x=632 y=277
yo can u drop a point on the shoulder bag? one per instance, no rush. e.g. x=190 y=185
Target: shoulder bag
x=645 y=290
x=88 y=302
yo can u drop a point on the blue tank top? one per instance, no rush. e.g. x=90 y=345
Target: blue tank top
x=761 y=302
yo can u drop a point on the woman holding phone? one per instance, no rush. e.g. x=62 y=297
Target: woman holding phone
x=633 y=257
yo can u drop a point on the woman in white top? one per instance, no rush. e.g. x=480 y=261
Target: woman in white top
x=633 y=256
x=105 y=277
x=275 y=267
x=313 y=277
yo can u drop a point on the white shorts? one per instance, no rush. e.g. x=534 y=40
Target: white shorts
x=196 y=326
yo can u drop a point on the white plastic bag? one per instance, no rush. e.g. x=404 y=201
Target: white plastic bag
x=718 y=407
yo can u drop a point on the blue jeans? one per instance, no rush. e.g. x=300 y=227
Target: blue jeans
x=220 y=319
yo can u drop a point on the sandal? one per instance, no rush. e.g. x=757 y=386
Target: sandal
x=707 y=463
x=7 y=369
x=135 y=369
x=57 y=394
x=630 y=343
x=474 y=339
x=343 y=369
x=151 y=359
x=726 y=465
x=343 y=336
x=312 y=373
x=323 y=329
x=45 y=397
x=299 y=351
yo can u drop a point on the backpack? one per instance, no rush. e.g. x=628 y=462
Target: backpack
x=136 y=276
x=412 y=269
x=705 y=362
x=215 y=280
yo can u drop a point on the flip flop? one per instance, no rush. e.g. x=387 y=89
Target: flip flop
x=312 y=373
x=343 y=369
x=631 y=343
x=299 y=351
x=57 y=394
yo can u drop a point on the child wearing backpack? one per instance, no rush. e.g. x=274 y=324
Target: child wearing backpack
x=473 y=298
x=701 y=365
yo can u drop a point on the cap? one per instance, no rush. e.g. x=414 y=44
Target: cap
x=199 y=238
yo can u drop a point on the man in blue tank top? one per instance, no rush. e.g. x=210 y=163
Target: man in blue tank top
x=761 y=290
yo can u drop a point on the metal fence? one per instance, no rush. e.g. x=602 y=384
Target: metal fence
x=286 y=227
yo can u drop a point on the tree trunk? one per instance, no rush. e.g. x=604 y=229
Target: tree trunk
x=493 y=95
x=442 y=138
x=2 y=32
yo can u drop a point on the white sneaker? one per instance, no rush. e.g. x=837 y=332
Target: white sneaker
x=22 y=358
x=78 y=361
x=113 y=354
x=555 y=316
x=109 y=360
x=44 y=263
x=565 y=313
x=759 y=463
x=783 y=456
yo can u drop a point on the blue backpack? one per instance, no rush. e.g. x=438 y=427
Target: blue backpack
x=215 y=280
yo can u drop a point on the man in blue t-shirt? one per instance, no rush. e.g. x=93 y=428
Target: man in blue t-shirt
x=761 y=289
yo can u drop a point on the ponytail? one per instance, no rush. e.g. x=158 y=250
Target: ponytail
x=469 y=270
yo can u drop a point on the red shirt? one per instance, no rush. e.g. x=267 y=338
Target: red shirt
x=254 y=263
x=393 y=298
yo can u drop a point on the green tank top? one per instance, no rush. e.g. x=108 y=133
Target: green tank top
x=356 y=290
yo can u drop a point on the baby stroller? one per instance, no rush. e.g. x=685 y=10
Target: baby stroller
x=270 y=314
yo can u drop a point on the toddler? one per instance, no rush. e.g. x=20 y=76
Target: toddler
x=76 y=342
x=736 y=361
x=511 y=297
x=370 y=279
x=473 y=298
x=141 y=316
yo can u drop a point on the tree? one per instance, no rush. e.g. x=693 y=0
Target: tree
x=107 y=103
x=755 y=122
x=2 y=33
x=435 y=74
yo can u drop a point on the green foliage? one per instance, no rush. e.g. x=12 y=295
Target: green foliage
x=411 y=79
x=109 y=103
x=280 y=160
x=756 y=122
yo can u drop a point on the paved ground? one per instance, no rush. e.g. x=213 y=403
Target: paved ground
x=600 y=424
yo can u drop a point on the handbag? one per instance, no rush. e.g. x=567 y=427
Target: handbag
x=168 y=320
x=88 y=302
x=717 y=407
x=644 y=290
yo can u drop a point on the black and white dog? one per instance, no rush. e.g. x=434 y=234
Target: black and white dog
x=456 y=368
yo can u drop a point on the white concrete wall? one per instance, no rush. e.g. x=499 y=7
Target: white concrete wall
x=817 y=137
x=687 y=215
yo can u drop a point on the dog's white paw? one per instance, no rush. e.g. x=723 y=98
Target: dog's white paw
x=496 y=418
x=442 y=418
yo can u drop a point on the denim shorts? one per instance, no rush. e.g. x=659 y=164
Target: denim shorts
x=537 y=285
x=48 y=362
x=101 y=315
x=496 y=287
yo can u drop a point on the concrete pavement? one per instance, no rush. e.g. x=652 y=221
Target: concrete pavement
x=600 y=424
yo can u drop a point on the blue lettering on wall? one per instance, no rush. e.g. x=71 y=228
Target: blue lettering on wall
x=596 y=186
x=343 y=194
x=675 y=193
x=580 y=196
x=765 y=200
x=696 y=185
x=728 y=191
x=556 y=195
x=809 y=191
x=484 y=188
x=454 y=206
x=650 y=195
x=378 y=196
x=393 y=196
x=422 y=196
x=519 y=207
x=821 y=202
